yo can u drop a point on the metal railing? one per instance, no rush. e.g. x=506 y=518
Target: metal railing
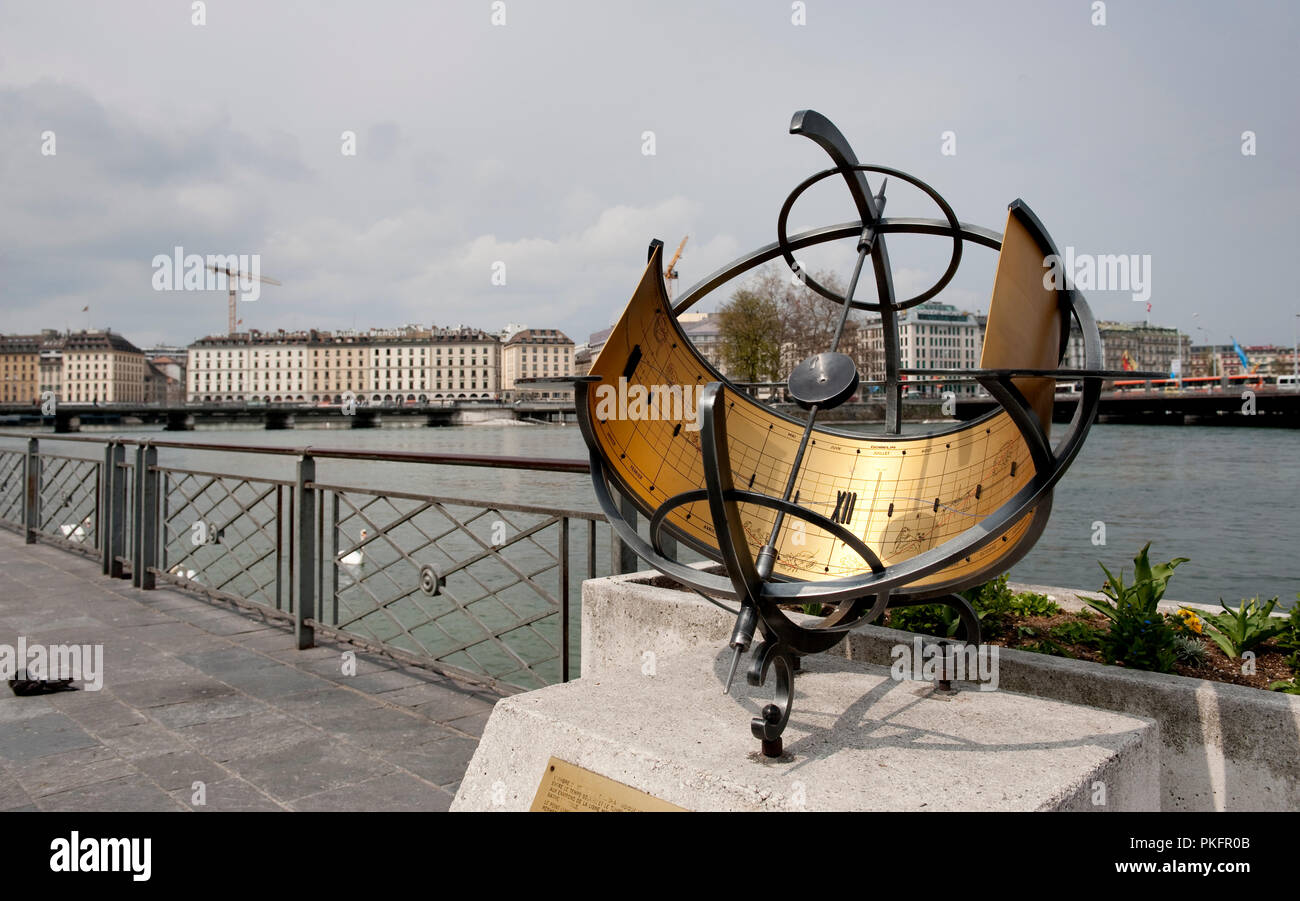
x=481 y=589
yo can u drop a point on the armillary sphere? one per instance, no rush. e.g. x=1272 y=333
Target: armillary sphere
x=795 y=513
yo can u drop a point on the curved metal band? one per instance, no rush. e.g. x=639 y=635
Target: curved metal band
x=976 y=234
x=775 y=503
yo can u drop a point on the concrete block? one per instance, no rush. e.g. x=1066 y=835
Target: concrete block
x=1222 y=747
x=857 y=740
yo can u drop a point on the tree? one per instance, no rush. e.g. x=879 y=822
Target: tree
x=773 y=322
x=750 y=330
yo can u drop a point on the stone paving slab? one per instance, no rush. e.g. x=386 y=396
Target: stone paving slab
x=205 y=701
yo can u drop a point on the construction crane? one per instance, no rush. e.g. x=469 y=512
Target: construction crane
x=232 y=281
x=670 y=274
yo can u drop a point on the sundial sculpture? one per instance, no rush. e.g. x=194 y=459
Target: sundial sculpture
x=795 y=513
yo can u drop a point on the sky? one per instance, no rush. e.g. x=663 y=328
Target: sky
x=524 y=144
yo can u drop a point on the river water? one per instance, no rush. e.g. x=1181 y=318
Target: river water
x=1228 y=498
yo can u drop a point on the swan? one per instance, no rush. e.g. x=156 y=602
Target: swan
x=77 y=532
x=190 y=574
x=357 y=557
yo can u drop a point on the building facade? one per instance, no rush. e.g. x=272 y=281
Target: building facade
x=536 y=353
x=51 y=366
x=20 y=369
x=705 y=331
x=931 y=335
x=165 y=375
x=216 y=369
x=1139 y=345
x=410 y=364
x=102 y=367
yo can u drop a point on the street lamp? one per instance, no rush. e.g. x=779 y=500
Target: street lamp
x=1204 y=339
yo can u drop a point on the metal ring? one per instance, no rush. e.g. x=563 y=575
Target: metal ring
x=882 y=228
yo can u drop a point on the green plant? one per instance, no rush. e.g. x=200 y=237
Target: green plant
x=938 y=620
x=1291 y=688
x=1189 y=650
x=993 y=605
x=1027 y=603
x=812 y=609
x=1077 y=633
x=1139 y=636
x=1290 y=638
x=1047 y=646
x=1140 y=643
x=1237 y=631
x=1148 y=587
x=990 y=594
x=1023 y=632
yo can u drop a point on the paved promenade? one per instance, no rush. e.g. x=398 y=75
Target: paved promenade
x=195 y=692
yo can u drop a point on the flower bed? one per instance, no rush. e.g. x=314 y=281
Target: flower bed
x=1129 y=625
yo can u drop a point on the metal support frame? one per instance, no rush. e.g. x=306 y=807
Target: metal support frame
x=304 y=610
x=862 y=597
x=32 y=494
x=144 y=556
x=114 y=513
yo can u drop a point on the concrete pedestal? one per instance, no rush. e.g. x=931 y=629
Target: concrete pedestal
x=857 y=740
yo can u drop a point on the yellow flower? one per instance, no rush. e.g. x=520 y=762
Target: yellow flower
x=1191 y=620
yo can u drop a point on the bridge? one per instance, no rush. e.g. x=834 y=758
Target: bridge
x=68 y=418
x=1264 y=406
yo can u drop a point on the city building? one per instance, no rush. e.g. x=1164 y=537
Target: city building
x=397 y=365
x=52 y=363
x=1074 y=357
x=338 y=363
x=465 y=364
x=410 y=364
x=1268 y=360
x=536 y=353
x=102 y=367
x=585 y=354
x=1143 y=346
x=216 y=369
x=165 y=375
x=20 y=369
x=705 y=332
x=932 y=335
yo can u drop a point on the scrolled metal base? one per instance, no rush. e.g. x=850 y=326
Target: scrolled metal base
x=768 y=726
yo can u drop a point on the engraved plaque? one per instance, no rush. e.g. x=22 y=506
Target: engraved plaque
x=565 y=787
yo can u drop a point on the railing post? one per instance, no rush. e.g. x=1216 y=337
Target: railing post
x=334 y=554
x=102 y=516
x=145 y=556
x=305 y=608
x=627 y=559
x=115 y=508
x=32 y=494
x=564 y=599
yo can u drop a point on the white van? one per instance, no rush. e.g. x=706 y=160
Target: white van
x=1287 y=382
